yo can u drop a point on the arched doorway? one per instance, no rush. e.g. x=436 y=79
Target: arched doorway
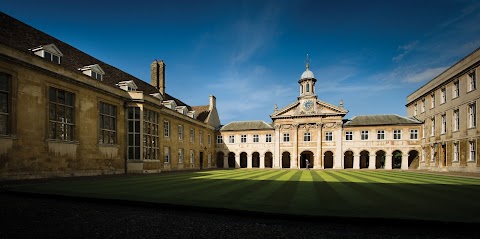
x=380 y=159
x=231 y=160
x=243 y=160
x=397 y=159
x=268 y=160
x=364 y=159
x=413 y=159
x=304 y=156
x=285 y=160
x=220 y=156
x=255 y=160
x=328 y=159
x=348 y=159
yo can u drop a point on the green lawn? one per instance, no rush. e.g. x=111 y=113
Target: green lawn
x=378 y=194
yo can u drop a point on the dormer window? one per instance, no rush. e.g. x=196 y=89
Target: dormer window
x=94 y=71
x=170 y=104
x=182 y=109
x=127 y=85
x=158 y=96
x=49 y=52
x=191 y=114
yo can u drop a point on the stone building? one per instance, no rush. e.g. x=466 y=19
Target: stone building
x=447 y=106
x=64 y=112
x=314 y=130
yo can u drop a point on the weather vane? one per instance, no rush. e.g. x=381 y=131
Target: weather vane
x=307 y=61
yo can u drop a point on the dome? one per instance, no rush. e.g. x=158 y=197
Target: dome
x=307 y=74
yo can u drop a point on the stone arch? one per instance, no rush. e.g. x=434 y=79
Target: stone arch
x=364 y=159
x=286 y=159
x=397 y=159
x=328 y=159
x=268 y=160
x=243 y=160
x=304 y=156
x=256 y=160
x=231 y=160
x=220 y=161
x=380 y=159
x=348 y=159
x=413 y=159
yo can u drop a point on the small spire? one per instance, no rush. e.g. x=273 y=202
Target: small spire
x=307 y=61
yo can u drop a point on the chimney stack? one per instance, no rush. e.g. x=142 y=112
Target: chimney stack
x=157 y=76
x=213 y=103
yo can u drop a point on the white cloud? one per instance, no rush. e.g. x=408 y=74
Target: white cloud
x=405 y=50
x=424 y=75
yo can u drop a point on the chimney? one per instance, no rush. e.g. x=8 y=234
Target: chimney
x=213 y=103
x=157 y=76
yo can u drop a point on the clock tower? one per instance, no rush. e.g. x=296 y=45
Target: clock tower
x=307 y=96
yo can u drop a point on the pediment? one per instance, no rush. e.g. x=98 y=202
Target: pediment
x=320 y=108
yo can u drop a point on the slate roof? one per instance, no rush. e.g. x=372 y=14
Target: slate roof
x=202 y=112
x=366 y=120
x=23 y=37
x=246 y=125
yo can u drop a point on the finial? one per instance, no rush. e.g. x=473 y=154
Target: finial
x=307 y=61
x=341 y=103
x=276 y=107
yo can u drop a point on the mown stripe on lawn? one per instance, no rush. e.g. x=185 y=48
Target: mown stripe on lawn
x=350 y=195
x=444 y=179
x=281 y=198
x=325 y=192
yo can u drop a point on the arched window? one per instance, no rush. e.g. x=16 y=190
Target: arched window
x=301 y=89
x=308 y=87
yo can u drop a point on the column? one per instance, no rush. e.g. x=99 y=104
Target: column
x=262 y=161
x=294 y=160
x=372 y=161
x=276 y=154
x=318 y=153
x=356 y=161
x=388 y=161
x=338 y=159
x=404 y=162
x=225 y=161
x=249 y=161
x=237 y=160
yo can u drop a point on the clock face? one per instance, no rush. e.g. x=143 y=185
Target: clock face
x=308 y=105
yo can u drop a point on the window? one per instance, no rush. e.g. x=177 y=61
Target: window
x=108 y=124
x=96 y=76
x=201 y=137
x=166 y=154
x=414 y=134
x=51 y=57
x=432 y=153
x=444 y=95
x=456 y=89
x=397 y=134
x=444 y=124
x=415 y=109
x=364 y=135
x=349 y=135
x=286 y=137
x=472 y=151
x=243 y=138
x=306 y=136
x=166 y=129
x=472 y=115
x=268 y=138
x=432 y=97
x=150 y=135
x=219 y=139
x=381 y=134
x=192 y=135
x=423 y=154
x=180 y=132
x=209 y=139
x=133 y=133
x=308 y=87
x=231 y=139
x=456 y=152
x=192 y=156
x=5 y=104
x=61 y=115
x=472 y=81
x=180 y=155
x=328 y=136
x=423 y=105
x=255 y=138
x=432 y=124
x=456 y=120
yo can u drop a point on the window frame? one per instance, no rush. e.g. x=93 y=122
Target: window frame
x=268 y=138
x=256 y=138
x=328 y=136
x=413 y=134
x=397 y=134
x=380 y=134
x=68 y=127
x=151 y=139
x=219 y=139
x=456 y=89
x=472 y=151
x=243 y=138
x=8 y=92
x=180 y=132
x=364 y=135
x=456 y=120
x=166 y=129
x=286 y=137
x=472 y=115
x=111 y=128
x=231 y=139
x=348 y=135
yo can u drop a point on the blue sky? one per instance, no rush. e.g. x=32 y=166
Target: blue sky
x=250 y=54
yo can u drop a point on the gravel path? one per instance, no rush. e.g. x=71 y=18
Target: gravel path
x=27 y=216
